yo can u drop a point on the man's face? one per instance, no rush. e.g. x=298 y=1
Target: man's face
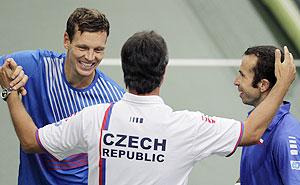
x=84 y=53
x=249 y=94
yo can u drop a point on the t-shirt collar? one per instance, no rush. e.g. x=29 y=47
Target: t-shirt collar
x=283 y=109
x=151 y=99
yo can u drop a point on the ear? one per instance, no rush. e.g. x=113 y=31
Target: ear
x=264 y=85
x=67 y=41
x=164 y=75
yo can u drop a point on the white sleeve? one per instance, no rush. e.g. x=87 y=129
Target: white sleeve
x=64 y=138
x=215 y=135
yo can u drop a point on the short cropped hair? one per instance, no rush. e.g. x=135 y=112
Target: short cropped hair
x=144 y=59
x=265 y=66
x=86 y=20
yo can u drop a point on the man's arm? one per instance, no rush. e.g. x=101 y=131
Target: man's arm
x=61 y=139
x=258 y=121
x=23 y=124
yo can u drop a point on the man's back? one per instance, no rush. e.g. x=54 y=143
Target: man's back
x=143 y=141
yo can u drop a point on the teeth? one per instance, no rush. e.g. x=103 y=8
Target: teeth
x=85 y=65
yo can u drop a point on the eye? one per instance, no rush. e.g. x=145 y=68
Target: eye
x=99 y=50
x=241 y=74
x=82 y=48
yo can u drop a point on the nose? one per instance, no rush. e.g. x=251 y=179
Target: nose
x=236 y=81
x=90 y=55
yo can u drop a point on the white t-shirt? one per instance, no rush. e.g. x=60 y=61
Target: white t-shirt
x=143 y=141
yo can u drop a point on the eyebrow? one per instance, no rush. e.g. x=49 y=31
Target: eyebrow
x=86 y=46
x=241 y=72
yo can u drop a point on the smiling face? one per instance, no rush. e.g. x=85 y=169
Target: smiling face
x=84 y=53
x=250 y=95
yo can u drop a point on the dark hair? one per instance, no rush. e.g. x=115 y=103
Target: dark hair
x=265 y=66
x=144 y=59
x=84 y=19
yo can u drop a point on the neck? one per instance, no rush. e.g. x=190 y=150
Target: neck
x=262 y=97
x=155 y=92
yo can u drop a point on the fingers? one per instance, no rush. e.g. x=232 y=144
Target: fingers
x=285 y=71
x=6 y=62
x=286 y=54
x=17 y=71
x=292 y=62
x=292 y=57
x=277 y=56
x=288 y=57
x=6 y=69
x=14 y=75
x=12 y=64
x=277 y=62
x=5 y=73
x=17 y=76
x=23 y=91
x=19 y=82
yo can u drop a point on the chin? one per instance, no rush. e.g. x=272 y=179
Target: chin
x=248 y=103
x=244 y=102
x=85 y=73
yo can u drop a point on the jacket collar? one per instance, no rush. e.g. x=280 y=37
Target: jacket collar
x=283 y=110
x=142 y=99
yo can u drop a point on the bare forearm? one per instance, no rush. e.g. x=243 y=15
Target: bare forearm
x=23 y=124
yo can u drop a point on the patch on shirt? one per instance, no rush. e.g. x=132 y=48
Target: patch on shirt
x=294 y=152
x=136 y=119
x=208 y=119
x=295 y=165
x=293 y=145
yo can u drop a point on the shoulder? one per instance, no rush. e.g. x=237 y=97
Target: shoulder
x=287 y=130
x=21 y=55
x=30 y=55
x=98 y=108
x=193 y=117
x=49 y=53
x=289 y=125
x=187 y=115
x=204 y=118
x=291 y=119
x=103 y=77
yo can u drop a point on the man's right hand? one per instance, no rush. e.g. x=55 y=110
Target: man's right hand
x=13 y=76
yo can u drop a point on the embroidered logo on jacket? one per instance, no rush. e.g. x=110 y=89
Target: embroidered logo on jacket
x=293 y=145
x=295 y=165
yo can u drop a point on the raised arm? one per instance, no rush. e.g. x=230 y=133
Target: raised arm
x=258 y=121
x=23 y=124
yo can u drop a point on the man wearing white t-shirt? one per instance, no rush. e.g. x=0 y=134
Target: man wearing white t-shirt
x=141 y=140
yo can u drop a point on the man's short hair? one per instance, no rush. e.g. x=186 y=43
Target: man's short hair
x=265 y=66
x=144 y=58
x=86 y=20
